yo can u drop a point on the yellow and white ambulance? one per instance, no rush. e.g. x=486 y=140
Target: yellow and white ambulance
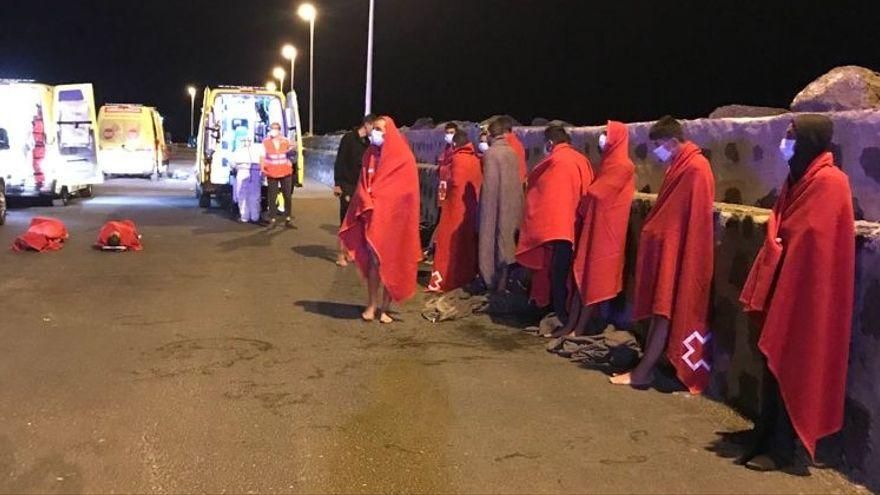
x=223 y=110
x=48 y=148
x=131 y=141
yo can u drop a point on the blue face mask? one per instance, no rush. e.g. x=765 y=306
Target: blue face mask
x=662 y=153
x=377 y=137
x=786 y=147
x=448 y=138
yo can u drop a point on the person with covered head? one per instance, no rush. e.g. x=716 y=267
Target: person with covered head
x=119 y=235
x=381 y=228
x=801 y=291
x=675 y=264
x=248 y=185
x=278 y=169
x=546 y=242
x=605 y=210
x=501 y=202
x=455 y=259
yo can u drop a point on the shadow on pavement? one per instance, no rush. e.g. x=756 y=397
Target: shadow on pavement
x=339 y=311
x=316 y=251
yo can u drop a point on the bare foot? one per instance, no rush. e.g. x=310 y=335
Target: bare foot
x=369 y=314
x=384 y=318
x=629 y=379
x=341 y=262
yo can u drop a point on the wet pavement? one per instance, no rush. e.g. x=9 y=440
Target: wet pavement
x=227 y=358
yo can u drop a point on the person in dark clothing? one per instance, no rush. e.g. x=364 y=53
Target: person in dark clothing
x=347 y=169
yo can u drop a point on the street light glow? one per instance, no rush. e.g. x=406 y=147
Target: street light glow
x=289 y=52
x=307 y=12
x=191 y=90
x=271 y=86
x=278 y=73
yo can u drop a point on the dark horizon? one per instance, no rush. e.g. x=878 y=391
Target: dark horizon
x=455 y=59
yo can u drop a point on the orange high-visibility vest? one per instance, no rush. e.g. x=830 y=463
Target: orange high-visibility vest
x=275 y=162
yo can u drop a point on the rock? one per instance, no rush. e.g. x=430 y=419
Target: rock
x=733 y=111
x=423 y=123
x=844 y=88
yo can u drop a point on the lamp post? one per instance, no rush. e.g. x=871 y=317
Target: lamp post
x=192 y=110
x=271 y=86
x=308 y=13
x=278 y=73
x=368 y=97
x=289 y=52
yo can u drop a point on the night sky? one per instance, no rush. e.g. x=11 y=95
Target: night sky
x=577 y=60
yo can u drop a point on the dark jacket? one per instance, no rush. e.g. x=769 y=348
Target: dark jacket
x=349 y=160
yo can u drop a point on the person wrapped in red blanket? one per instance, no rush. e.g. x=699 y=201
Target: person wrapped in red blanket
x=44 y=234
x=599 y=254
x=555 y=189
x=801 y=290
x=675 y=264
x=119 y=235
x=381 y=229
x=455 y=260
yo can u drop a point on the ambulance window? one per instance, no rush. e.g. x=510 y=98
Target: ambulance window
x=276 y=111
x=4 y=139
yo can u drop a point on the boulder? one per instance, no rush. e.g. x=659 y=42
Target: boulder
x=733 y=111
x=844 y=88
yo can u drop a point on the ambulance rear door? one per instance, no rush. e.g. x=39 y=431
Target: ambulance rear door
x=74 y=115
x=294 y=133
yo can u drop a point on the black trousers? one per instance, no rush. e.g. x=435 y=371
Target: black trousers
x=774 y=434
x=560 y=273
x=286 y=186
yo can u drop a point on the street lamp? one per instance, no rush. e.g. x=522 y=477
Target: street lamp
x=278 y=73
x=271 y=86
x=308 y=13
x=289 y=52
x=368 y=97
x=192 y=109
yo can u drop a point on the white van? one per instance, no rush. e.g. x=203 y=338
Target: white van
x=223 y=110
x=49 y=150
x=131 y=141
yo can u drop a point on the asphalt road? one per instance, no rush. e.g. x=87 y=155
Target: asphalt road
x=225 y=358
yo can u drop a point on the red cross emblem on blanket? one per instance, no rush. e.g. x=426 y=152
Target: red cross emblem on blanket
x=436 y=280
x=697 y=351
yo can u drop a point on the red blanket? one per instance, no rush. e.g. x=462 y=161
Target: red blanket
x=455 y=261
x=675 y=264
x=444 y=161
x=383 y=217
x=127 y=232
x=44 y=234
x=520 y=150
x=802 y=286
x=556 y=187
x=605 y=210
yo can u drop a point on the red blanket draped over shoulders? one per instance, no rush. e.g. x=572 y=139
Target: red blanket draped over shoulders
x=555 y=189
x=605 y=210
x=675 y=264
x=802 y=286
x=455 y=261
x=125 y=229
x=383 y=218
x=43 y=234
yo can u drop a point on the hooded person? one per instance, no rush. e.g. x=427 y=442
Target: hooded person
x=455 y=259
x=675 y=264
x=381 y=228
x=600 y=248
x=801 y=291
x=546 y=241
x=248 y=187
x=119 y=235
x=43 y=234
x=501 y=203
x=517 y=146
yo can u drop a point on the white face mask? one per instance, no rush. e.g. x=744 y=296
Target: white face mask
x=603 y=141
x=274 y=133
x=448 y=138
x=483 y=147
x=786 y=147
x=377 y=137
x=662 y=153
x=548 y=148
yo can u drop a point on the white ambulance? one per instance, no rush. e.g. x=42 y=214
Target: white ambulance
x=131 y=141
x=48 y=148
